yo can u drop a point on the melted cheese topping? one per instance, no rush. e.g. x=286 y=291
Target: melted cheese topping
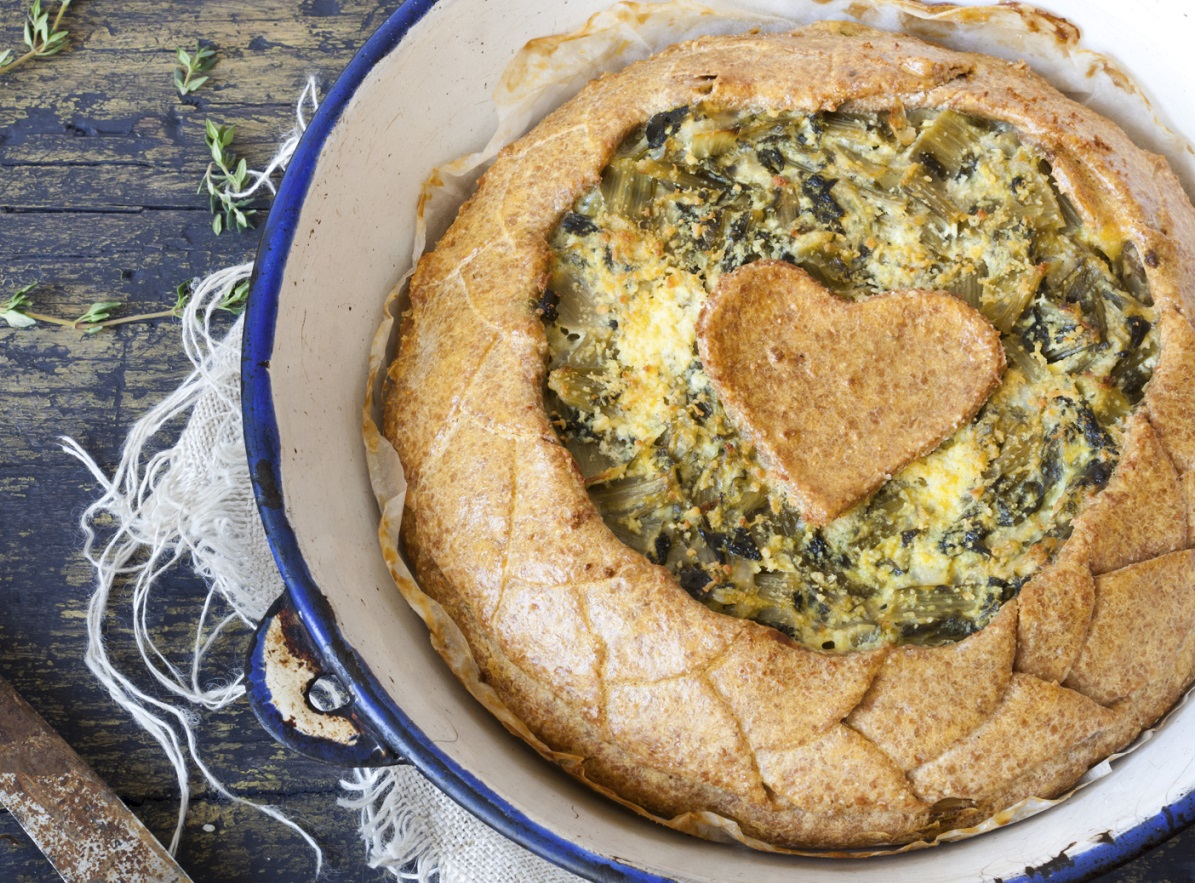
x=865 y=203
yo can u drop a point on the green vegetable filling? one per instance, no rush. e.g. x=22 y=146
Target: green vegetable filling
x=866 y=203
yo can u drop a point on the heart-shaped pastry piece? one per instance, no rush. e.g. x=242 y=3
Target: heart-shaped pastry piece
x=838 y=396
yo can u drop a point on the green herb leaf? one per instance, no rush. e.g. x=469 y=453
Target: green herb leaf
x=182 y=294
x=99 y=311
x=16 y=319
x=190 y=65
x=226 y=176
x=41 y=36
x=54 y=44
x=16 y=313
x=235 y=301
x=13 y=310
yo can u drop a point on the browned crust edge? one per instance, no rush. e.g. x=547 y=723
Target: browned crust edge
x=470 y=319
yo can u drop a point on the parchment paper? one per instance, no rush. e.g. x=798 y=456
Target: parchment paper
x=551 y=69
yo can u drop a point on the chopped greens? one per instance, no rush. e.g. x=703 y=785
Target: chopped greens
x=865 y=203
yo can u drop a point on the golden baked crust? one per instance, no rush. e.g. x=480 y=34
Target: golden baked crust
x=941 y=360
x=607 y=666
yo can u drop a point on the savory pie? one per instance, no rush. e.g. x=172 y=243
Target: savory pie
x=800 y=442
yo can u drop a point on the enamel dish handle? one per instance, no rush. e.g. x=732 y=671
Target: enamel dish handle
x=300 y=703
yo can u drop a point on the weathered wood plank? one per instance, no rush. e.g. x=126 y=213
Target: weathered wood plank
x=117 y=234
x=99 y=163
x=235 y=842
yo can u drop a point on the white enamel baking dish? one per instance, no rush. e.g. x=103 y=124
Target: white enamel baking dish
x=338 y=237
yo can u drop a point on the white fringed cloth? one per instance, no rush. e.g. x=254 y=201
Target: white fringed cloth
x=188 y=502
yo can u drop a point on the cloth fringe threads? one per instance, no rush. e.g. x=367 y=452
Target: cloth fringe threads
x=192 y=502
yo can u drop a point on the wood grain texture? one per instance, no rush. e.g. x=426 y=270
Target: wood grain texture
x=99 y=162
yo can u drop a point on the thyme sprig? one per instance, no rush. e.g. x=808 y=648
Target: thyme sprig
x=16 y=312
x=43 y=37
x=233 y=302
x=226 y=179
x=190 y=65
x=94 y=317
x=236 y=300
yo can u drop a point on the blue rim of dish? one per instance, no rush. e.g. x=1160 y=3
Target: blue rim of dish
x=371 y=700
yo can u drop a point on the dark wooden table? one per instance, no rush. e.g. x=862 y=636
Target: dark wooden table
x=99 y=164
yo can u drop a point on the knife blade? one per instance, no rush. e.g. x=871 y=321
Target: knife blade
x=73 y=817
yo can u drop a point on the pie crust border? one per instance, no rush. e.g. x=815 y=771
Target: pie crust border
x=719 y=726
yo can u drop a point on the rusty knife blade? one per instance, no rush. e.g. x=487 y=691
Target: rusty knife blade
x=75 y=819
